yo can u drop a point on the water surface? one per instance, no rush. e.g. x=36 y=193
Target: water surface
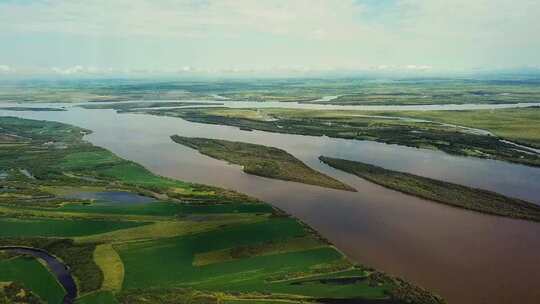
x=58 y=269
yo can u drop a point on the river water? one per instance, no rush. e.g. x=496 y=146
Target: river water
x=467 y=257
x=59 y=270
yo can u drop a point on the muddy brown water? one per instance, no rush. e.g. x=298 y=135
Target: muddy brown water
x=465 y=256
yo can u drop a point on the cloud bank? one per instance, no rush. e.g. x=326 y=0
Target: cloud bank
x=422 y=34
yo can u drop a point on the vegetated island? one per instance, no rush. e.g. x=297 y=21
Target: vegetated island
x=261 y=160
x=371 y=125
x=185 y=243
x=440 y=191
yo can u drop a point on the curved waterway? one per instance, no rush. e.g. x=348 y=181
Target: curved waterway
x=59 y=270
x=467 y=257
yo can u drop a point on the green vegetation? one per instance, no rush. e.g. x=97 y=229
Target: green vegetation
x=100 y=297
x=349 y=91
x=261 y=160
x=376 y=126
x=521 y=125
x=111 y=266
x=17 y=293
x=31 y=227
x=32 y=275
x=426 y=92
x=440 y=191
x=191 y=244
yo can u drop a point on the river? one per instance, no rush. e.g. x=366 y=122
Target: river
x=467 y=257
x=59 y=270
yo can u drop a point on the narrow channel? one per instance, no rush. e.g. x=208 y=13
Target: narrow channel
x=57 y=268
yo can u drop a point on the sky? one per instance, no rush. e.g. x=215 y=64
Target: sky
x=230 y=36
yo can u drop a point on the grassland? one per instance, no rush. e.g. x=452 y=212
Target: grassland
x=440 y=191
x=428 y=92
x=261 y=160
x=34 y=227
x=385 y=127
x=349 y=91
x=32 y=275
x=521 y=125
x=191 y=244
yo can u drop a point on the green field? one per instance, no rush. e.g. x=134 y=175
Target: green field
x=32 y=275
x=440 y=191
x=30 y=227
x=166 y=208
x=261 y=160
x=190 y=244
x=349 y=91
x=521 y=125
x=100 y=297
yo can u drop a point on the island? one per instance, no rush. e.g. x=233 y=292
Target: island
x=262 y=161
x=440 y=191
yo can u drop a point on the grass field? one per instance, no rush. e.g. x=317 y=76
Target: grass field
x=111 y=265
x=34 y=276
x=349 y=91
x=166 y=208
x=100 y=297
x=440 y=191
x=10 y=227
x=261 y=160
x=521 y=125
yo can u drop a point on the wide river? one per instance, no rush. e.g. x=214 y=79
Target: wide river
x=467 y=257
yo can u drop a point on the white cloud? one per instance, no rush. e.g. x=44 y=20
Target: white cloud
x=79 y=70
x=418 y=67
x=5 y=69
x=184 y=18
x=328 y=32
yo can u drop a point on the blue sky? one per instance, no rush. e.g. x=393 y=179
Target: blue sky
x=111 y=36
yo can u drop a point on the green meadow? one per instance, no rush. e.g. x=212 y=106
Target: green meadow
x=32 y=275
